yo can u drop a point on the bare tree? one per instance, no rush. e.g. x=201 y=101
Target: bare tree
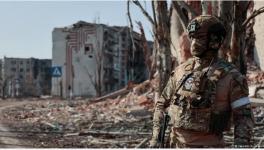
x=181 y=14
x=146 y=52
x=163 y=41
x=161 y=27
x=169 y=29
x=226 y=14
x=238 y=34
x=205 y=7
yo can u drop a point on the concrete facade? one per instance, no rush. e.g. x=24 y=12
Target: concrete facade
x=26 y=77
x=259 y=28
x=94 y=57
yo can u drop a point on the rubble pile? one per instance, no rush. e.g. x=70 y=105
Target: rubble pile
x=255 y=78
x=118 y=122
x=254 y=74
x=259 y=115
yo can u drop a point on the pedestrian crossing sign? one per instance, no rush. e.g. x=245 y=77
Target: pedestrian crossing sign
x=56 y=71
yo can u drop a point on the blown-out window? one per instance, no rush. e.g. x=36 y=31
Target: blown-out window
x=88 y=49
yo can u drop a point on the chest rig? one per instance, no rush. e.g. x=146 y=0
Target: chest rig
x=192 y=105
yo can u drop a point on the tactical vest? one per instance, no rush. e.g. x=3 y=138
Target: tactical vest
x=192 y=106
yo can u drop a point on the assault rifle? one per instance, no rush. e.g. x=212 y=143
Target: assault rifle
x=164 y=125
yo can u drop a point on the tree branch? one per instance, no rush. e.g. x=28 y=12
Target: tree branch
x=131 y=36
x=154 y=14
x=137 y=3
x=180 y=14
x=170 y=14
x=128 y=14
x=253 y=15
x=249 y=4
x=155 y=25
x=146 y=51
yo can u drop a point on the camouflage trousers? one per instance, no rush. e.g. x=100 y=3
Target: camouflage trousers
x=173 y=142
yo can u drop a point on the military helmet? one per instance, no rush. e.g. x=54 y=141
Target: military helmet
x=207 y=25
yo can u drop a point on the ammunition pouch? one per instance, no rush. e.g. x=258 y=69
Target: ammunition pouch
x=190 y=119
x=203 y=120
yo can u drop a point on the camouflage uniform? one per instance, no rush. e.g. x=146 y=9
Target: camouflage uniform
x=203 y=94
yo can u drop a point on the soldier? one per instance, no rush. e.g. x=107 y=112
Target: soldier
x=204 y=93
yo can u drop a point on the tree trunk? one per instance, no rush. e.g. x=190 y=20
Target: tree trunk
x=226 y=14
x=146 y=52
x=179 y=20
x=238 y=36
x=206 y=5
x=215 y=7
x=163 y=42
x=196 y=6
x=176 y=30
x=250 y=36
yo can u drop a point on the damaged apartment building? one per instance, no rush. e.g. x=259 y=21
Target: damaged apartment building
x=25 y=77
x=95 y=59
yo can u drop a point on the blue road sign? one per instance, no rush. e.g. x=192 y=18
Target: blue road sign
x=56 y=71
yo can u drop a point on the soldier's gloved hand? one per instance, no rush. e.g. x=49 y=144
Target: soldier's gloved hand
x=153 y=143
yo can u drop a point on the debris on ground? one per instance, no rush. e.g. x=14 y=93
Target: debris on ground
x=122 y=119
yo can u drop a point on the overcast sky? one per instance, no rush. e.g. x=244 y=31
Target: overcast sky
x=26 y=27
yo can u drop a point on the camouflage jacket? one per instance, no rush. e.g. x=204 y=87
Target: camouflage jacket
x=199 y=117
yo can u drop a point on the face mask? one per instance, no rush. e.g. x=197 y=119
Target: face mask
x=199 y=45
